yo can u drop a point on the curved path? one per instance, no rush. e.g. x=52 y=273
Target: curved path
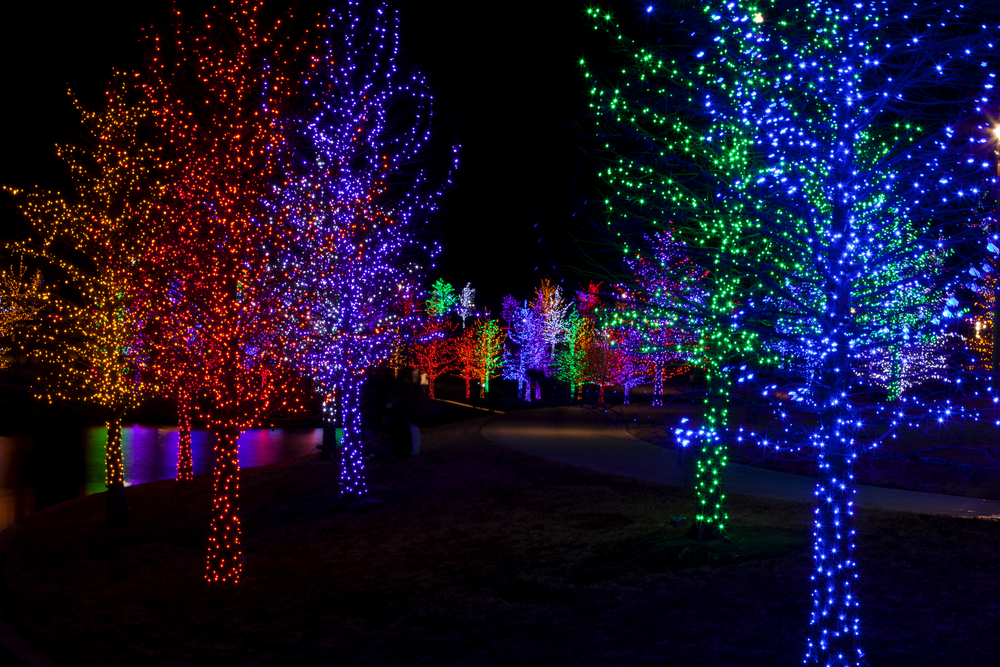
x=586 y=439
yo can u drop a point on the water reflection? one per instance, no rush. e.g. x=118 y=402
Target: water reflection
x=150 y=454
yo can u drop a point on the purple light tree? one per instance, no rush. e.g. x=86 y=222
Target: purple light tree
x=355 y=198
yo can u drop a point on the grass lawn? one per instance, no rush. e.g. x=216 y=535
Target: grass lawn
x=474 y=554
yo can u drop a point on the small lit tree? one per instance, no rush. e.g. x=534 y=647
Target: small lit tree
x=433 y=351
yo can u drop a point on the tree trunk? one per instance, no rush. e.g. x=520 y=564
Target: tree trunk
x=833 y=626
x=658 y=382
x=600 y=393
x=185 y=464
x=114 y=468
x=710 y=521
x=225 y=559
x=625 y=397
x=430 y=387
x=352 y=463
x=468 y=391
x=538 y=389
x=834 y=635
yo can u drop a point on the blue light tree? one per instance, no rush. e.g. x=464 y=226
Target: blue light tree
x=845 y=144
x=355 y=199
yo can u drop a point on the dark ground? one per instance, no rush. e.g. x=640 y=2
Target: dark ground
x=474 y=554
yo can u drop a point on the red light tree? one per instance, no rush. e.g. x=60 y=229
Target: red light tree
x=434 y=352
x=219 y=94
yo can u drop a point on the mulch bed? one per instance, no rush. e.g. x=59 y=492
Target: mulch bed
x=474 y=554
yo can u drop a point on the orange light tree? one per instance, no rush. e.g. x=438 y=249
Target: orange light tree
x=22 y=297
x=466 y=360
x=218 y=95
x=87 y=342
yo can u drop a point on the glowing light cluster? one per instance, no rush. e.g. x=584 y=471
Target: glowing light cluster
x=822 y=193
x=87 y=341
x=213 y=297
x=356 y=194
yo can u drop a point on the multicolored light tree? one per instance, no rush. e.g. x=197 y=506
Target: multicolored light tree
x=478 y=354
x=356 y=200
x=664 y=282
x=841 y=182
x=88 y=340
x=220 y=95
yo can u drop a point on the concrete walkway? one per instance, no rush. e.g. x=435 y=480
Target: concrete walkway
x=586 y=439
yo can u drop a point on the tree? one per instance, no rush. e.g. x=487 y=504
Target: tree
x=525 y=330
x=356 y=197
x=660 y=163
x=466 y=306
x=466 y=358
x=219 y=95
x=433 y=351
x=570 y=362
x=442 y=299
x=664 y=281
x=478 y=354
x=88 y=340
x=847 y=184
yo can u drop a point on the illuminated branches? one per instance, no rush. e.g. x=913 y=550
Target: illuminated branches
x=433 y=350
x=570 y=361
x=819 y=167
x=22 y=297
x=442 y=299
x=88 y=340
x=355 y=194
x=478 y=353
x=219 y=95
x=466 y=306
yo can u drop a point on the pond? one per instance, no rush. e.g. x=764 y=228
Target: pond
x=34 y=476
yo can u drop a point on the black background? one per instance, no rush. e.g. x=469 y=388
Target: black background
x=506 y=79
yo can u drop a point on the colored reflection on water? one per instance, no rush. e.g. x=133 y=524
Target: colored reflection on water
x=149 y=452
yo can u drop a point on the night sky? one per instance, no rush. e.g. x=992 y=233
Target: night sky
x=508 y=88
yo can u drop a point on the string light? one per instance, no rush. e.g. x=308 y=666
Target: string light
x=220 y=95
x=88 y=341
x=825 y=195
x=356 y=195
